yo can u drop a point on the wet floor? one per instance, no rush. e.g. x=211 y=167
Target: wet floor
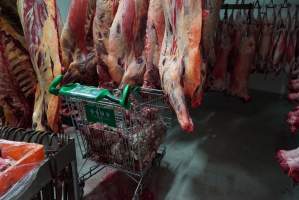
x=230 y=156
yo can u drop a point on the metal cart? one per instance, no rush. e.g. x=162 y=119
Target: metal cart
x=122 y=129
x=56 y=177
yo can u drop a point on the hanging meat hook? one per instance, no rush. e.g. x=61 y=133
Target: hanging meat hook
x=271 y=4
x=285 y=4
x=279 y=15
x=249 y=15
x=248 y=21
x=225 y=14
x=257 y=5
x=296 y=13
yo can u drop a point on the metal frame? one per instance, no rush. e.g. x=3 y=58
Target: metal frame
x=60 y=160
x=148 y=98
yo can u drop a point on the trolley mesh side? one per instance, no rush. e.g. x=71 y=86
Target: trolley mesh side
x=125 y=139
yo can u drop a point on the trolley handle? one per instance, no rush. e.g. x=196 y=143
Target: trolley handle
x=124 y=99
x=53 y=86
x=100 y=93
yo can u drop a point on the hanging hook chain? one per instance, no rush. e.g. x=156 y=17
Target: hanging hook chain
x=271 y=4
x=257 y=4
x=285 y=4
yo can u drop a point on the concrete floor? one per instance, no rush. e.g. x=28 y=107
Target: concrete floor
x=230 y=156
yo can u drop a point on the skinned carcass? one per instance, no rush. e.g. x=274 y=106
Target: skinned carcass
x=294 y=83
x=220 y=76
x=242 y=68
x=154 y=36
x=238 y=29
x=77 y=45
x=126 y=62
x=104 y=15
x=289 y=162
x=41 y=24
x=280 y=42
x=209 y=27
x=255 y=25
x=9 y=12
x=181 y=68
x=265 y=43
x=17 y=78
x=293 y=119
x=290 y=54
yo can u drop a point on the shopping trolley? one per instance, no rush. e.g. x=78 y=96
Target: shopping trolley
x=122 y=129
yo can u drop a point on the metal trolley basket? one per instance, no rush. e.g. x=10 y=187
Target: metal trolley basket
x=122 y=129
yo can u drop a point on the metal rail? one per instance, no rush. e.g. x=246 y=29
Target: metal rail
x=237 y=6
